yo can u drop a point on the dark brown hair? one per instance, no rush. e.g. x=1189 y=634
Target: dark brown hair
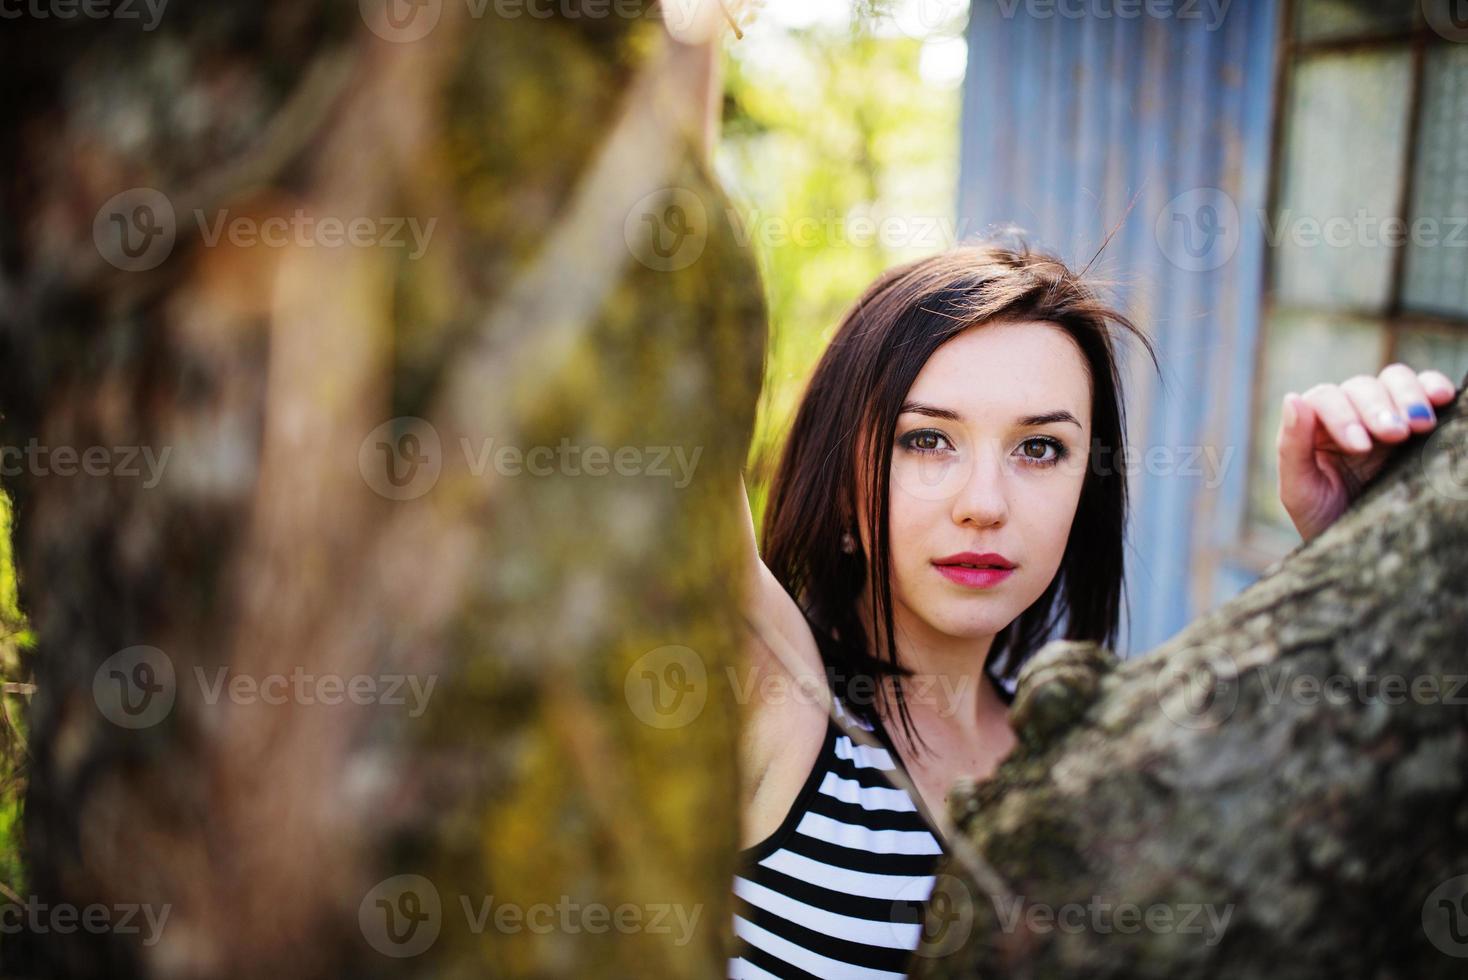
x=857 y=390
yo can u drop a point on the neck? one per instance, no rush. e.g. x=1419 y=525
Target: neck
x=949 y=692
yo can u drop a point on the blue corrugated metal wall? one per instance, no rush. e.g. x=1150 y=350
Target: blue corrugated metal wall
x=1065 y=120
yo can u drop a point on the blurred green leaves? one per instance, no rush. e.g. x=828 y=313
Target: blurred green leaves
x=14 y=680
x=840 y=145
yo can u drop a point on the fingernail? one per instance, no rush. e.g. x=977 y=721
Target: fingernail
x=1387 y=417
x=1356 y=436
x=1419 y=411
x=1290 y=415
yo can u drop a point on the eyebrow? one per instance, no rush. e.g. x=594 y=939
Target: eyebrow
x=1044 y=418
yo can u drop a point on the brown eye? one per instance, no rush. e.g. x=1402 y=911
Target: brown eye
x=1044 y=443
x=924 y=441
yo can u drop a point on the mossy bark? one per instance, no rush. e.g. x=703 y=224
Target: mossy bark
x=275 y=542
x=1278 y=790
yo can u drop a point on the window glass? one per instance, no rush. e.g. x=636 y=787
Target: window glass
x=1342 y=177
x=1436 y=279
x=1334 y=20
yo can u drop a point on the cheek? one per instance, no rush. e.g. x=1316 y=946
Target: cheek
x=913 y=522
x=1045 y=516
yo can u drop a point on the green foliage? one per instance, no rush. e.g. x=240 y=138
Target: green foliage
x=840 y=145
x=14 y=638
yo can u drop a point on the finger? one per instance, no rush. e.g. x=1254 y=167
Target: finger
x=1439 y=387
x=1376 y=407
x=1296 y=448
x=1338 y=416
x=1409 y=396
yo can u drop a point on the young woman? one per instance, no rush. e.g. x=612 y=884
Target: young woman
x=949 y=499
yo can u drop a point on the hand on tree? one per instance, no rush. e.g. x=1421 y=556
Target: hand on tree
x=1335 y=438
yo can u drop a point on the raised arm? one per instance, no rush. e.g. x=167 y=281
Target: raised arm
x=779 y=639
x=785 y=702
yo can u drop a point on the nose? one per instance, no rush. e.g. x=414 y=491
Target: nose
x=983 y=500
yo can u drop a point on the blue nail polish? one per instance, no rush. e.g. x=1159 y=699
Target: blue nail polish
x=1419 y=411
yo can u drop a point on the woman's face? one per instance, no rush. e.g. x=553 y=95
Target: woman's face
x=990 y=453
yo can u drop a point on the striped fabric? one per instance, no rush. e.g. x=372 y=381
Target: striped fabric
x=837 y=891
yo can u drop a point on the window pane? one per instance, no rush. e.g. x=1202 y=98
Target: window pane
x=1321 y=20
x=1343 y=164
x=1445 y=350
x=1302 y=349
x=1437 y=257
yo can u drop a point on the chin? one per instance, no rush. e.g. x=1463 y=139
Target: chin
x=971 y=623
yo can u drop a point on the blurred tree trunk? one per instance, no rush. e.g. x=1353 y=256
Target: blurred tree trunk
x=475 y=461
x=1278 y=790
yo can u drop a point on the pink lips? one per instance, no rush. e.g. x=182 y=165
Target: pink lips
x=956 y=568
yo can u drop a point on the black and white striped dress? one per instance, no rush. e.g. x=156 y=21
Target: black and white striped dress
x=838 y=890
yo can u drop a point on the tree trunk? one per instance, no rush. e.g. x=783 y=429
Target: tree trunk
x=474 y=461
x=1276 y=791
